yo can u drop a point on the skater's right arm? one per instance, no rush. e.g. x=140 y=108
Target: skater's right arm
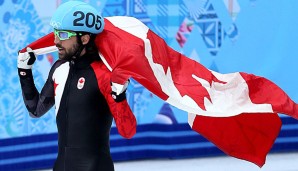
x=36 y=103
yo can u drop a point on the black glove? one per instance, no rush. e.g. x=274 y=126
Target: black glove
x=27 y=59
x=119 y=91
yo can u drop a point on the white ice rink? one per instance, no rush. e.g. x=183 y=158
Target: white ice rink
x=275 y=162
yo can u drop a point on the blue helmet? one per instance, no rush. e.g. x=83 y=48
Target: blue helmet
x=77 y=16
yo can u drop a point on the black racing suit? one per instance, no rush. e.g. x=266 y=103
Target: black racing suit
x=82 y=114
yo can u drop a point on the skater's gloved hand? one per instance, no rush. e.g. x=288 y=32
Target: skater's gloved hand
x=27 y=59
x=119 y=91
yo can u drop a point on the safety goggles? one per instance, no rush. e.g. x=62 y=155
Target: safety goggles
x=64 y=35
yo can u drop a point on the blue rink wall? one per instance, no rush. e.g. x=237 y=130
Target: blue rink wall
x=151 y=141
x=253 y=36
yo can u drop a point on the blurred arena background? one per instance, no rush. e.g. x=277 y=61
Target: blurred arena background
x=253 y=36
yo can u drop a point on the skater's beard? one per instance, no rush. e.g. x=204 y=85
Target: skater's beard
x=67 y=53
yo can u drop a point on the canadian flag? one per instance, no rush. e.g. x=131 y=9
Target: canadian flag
x=237 y=111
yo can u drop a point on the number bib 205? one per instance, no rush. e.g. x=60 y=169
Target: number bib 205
x=90 y=20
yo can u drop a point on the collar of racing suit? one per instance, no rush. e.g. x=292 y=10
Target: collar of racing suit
x=85 y=60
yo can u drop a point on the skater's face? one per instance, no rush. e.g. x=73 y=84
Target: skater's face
x=66 y=42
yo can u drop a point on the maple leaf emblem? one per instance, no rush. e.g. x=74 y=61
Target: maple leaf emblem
x=55 y=86
x=81 y=80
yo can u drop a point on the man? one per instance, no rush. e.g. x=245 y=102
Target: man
x=79 y=86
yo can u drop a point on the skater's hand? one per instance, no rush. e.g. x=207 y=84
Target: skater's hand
x=119 y=91
x=27 y=59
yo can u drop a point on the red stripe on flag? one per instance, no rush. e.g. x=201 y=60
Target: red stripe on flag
x=245 y=136
x=264 y=91
x=43 y=42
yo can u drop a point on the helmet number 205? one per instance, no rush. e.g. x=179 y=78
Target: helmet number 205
x=90 y=20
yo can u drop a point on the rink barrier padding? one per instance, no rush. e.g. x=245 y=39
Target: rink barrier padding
x=151 y=141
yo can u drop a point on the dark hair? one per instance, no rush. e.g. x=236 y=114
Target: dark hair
x=91 y=47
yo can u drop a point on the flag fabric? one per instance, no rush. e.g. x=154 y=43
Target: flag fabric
x=237 y=111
